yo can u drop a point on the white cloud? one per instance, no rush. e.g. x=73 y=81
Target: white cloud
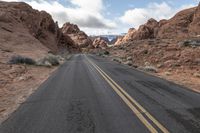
x=137 y=16
x=84 y=13
x=89 y=15
x=89 y=5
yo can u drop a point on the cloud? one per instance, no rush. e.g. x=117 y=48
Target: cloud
x=137 y=16
x=89 y=5
x=84 y=13
x=89 y=15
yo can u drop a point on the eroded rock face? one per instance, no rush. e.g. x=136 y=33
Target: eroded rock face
x=24 y=24
x=194 y=27
x=146 y=31
x=100 y=43
x=184 y=24
x=79 y=37
x=129 y=35
x=119 y=40
x=178 y=26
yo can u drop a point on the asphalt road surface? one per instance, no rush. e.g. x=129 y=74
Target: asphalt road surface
x=90 y=94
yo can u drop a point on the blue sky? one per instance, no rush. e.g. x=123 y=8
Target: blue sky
x=109 y=16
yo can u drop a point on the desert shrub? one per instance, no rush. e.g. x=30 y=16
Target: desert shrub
x=150 y=69
x=106 y=53
x=53 y=60
x=190 y=43
x=21 y=60
x=49 y=60
x=129 y=63
x=99 y=54
x=185 y=43
x=117 y=60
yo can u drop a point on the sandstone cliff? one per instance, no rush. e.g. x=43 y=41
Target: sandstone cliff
x=184 y=24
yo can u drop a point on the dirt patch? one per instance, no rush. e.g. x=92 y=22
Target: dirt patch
x=17 y=82
x=183 y=77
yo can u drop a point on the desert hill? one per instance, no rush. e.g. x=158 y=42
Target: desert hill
x=184 y=24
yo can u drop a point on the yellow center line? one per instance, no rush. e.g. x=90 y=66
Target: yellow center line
x=139 y=106
x=126 y=97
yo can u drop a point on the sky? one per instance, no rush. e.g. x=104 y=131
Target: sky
x=101 y=17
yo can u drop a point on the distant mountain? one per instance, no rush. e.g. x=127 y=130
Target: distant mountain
x=109 y=38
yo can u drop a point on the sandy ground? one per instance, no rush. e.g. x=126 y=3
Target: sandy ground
x=183 y=77
x=17 y=82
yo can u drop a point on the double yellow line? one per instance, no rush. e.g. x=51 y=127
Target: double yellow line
x=137 y=109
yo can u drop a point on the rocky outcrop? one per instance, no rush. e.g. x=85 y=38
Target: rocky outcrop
x=119 y=40
x=100 y=43
x=178 y=26
x=24 y=29
x=194 y=27
x=146 y=31
x=184 y=24
x=129 y=35
x=79 y=37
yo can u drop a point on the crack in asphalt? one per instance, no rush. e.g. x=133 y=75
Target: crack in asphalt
x=79 y=118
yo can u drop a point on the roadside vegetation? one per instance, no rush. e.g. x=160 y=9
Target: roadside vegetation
x=47 y=61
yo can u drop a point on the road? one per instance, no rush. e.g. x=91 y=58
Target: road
x=90 y=94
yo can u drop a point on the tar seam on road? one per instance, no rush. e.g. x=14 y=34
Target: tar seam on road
x=131 y=103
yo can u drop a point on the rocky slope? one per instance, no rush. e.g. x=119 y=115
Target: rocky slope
x=29 y=32
x=184 y=24
x=79 y=37
x=167 y=58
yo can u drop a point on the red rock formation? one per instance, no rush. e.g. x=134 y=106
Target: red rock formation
x=194 y=27
x=146 y=31
x=100 y=43
x=79 y=37
x=23 y=24
x=129 y=35
x=119 y=40
x=178 y=26
x=184 y=24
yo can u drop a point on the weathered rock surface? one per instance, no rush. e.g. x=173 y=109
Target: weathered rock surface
x=119 y=40
x=29 y=32
x=184 y=24
x=177 y=26
x=100 y=43
x=78 y=36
